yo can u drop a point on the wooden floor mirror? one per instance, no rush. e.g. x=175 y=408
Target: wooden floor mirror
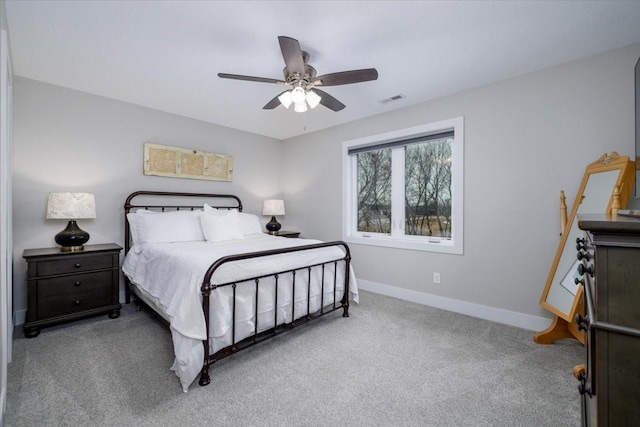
x=606 y=181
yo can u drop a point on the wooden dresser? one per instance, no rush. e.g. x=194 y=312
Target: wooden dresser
x=610 y=382
x=64 y=286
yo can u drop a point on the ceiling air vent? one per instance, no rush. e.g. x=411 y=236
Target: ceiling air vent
x=397 y=97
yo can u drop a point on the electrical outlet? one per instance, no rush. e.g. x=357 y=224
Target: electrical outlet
x=436 y=277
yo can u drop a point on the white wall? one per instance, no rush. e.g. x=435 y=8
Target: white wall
x=525 y=140
x=66 y=140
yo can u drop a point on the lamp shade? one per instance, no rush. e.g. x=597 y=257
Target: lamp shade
x=298 y=95
x=285 y=99
x=313 y=99
x=300 y=107
x=71 y=206
x=273 y=207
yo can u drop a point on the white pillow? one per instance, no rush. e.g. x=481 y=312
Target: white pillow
x=164 y=227
x=249 y=223
x=216 y=211
x=221 y=226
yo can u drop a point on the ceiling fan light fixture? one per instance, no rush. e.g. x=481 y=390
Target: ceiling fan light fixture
x=285 y=99
x=313 y=99
x=301 y=77
x=300 y=107
x=298 y=95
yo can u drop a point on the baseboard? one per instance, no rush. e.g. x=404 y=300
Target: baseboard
x=18 y=317
x=512 y=318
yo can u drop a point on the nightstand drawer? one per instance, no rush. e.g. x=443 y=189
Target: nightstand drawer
x=74 y=283
x=73 y=303
x=73 y=265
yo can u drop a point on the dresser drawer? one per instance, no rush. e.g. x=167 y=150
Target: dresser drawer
x=73 y=265
x=74 y=283
x=58 y=305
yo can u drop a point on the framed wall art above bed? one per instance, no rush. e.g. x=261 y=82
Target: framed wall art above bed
x=175 y=162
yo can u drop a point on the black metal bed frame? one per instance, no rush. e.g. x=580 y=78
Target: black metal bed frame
x=207 y=286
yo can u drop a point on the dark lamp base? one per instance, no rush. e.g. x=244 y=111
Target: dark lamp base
x=72 y=238
x=273 y=226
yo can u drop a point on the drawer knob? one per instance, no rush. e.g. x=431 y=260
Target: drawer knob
x=579 y=281
x=76 y=302
x=77 y=265
x=78 y=283
x=583 y=389
x=582 y=270
x=582 y=255
x=583 y=322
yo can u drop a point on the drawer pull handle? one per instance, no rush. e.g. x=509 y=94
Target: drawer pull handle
x=583 y=255
x=77 y=265
x=582 y=387
x=78 y=283
x=582 y=270
x=582 y=322
x=76 y=302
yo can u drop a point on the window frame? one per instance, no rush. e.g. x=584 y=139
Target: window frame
x=397 y=238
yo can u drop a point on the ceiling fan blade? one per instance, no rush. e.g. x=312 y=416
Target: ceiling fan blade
x=250 y=78
x=329 y=101
x=292 y=55
x=346 y=77
x=273 y=103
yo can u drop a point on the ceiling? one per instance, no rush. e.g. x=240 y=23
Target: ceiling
x=166 y=54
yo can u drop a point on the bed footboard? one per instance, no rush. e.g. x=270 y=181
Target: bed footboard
x=313 y=310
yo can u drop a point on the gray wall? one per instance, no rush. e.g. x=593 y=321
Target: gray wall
x=66 y=140
x=525 y=140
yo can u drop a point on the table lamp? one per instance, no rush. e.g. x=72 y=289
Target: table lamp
x=273 y=207
x=71 y=206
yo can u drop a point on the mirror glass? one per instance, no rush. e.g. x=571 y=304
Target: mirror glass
x=561 y=294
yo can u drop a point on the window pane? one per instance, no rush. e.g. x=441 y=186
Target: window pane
x=428 y=188
x=374 y=191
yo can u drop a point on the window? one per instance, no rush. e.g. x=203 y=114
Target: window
x=403 y=189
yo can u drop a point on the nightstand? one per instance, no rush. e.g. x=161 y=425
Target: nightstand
x=289 y=234
x=64 y=286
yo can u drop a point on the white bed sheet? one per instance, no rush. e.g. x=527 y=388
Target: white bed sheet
x=170 y=275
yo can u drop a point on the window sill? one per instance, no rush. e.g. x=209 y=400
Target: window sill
x=443 y=246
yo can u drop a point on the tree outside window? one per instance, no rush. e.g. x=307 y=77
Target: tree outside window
x=374 y=191
x=427 y=192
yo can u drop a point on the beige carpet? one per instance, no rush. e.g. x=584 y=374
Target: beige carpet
x=392 y=363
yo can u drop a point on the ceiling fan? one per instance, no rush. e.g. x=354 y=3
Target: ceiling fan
x=302 y=78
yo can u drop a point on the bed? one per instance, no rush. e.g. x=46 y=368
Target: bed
x=220 y=282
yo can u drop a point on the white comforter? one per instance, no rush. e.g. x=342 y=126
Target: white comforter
x=171 y=275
